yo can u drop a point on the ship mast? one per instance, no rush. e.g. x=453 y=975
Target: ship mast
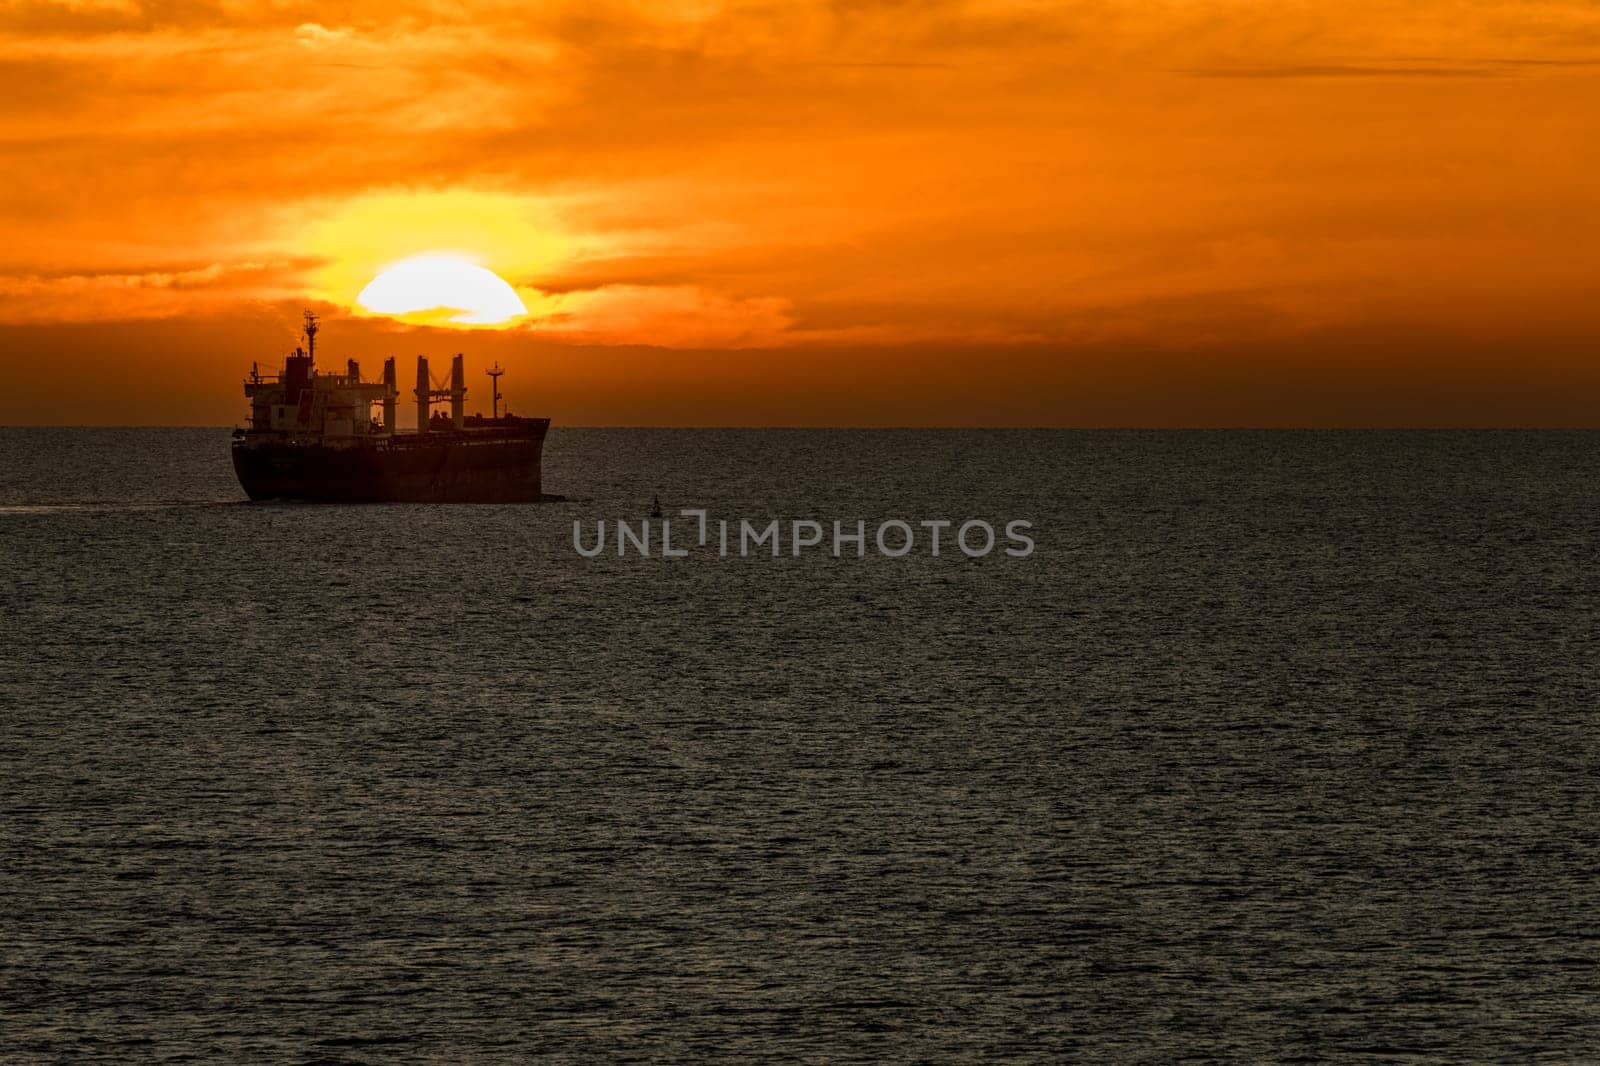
x=494 y=373
x=311 y=335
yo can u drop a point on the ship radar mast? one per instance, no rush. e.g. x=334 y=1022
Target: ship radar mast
x=494 y=373
x=311 y=335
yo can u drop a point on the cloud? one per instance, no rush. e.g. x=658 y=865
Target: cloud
x=683 y=316
x=1347 y=71
x=811 y=173
x=141 y=295
x=316 y=35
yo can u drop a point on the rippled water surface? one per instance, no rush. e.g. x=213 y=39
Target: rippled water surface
x=1281 y=747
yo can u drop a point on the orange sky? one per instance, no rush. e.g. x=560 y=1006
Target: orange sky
x=1170 y=212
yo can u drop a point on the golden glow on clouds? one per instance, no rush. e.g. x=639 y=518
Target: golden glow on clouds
x=353 y=241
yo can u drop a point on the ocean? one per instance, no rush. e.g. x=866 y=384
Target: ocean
x=1277 y=747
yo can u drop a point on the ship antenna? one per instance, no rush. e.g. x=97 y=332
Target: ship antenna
x=311 y=335
x=494 y=373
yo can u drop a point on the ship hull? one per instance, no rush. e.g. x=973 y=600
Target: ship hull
x=437 y=468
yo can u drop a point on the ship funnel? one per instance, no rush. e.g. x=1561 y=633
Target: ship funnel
x=458 y=391
x=390 y=394
x=296 y=376
x=424 y=387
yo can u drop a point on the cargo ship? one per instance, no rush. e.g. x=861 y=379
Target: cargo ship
x=313 y=436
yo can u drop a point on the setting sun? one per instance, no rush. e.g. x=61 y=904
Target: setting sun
x=442 y=290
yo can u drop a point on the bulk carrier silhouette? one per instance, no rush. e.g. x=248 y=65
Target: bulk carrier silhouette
x=312 y=436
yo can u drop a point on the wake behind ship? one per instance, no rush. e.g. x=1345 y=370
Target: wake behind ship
x=312 y=436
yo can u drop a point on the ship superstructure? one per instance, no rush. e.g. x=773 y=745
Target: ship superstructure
x=314 y=436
